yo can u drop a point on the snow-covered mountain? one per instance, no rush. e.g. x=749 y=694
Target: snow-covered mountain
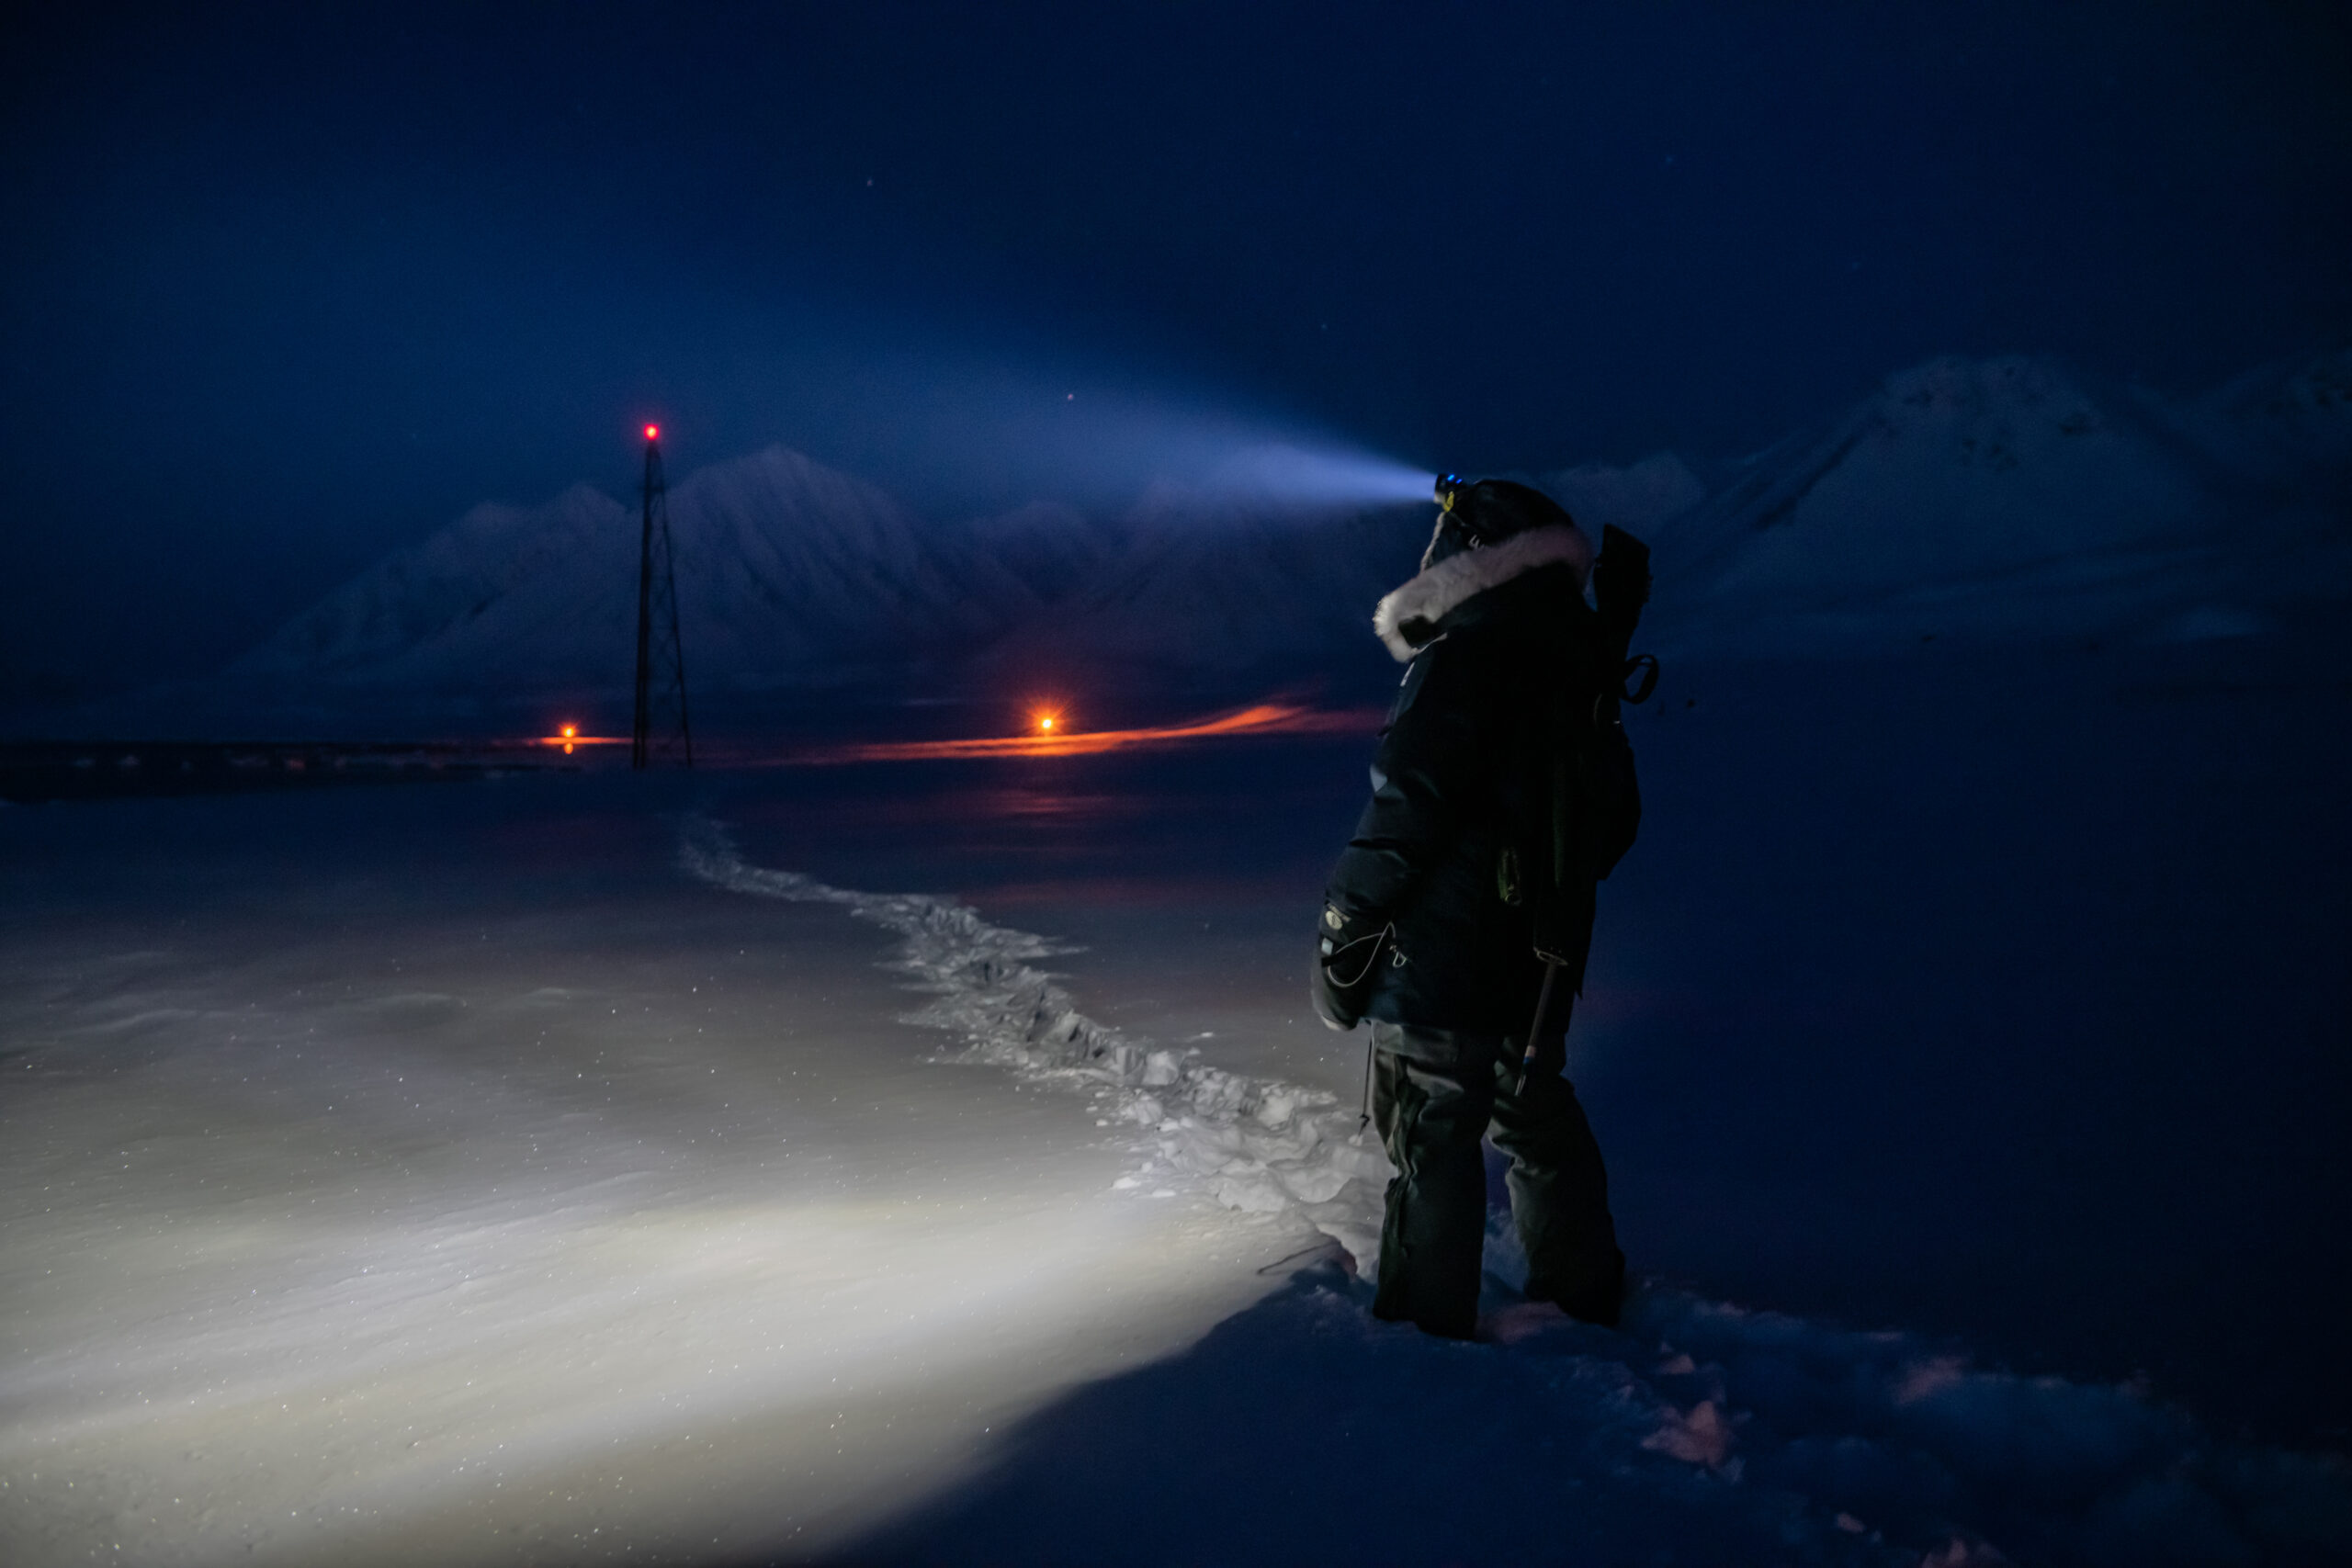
x=2290 y=424
x=1053 y=549
x=787 y=570
x=1206 y=592
x=541 y=588
x=2011 y=499
x=1989 y=500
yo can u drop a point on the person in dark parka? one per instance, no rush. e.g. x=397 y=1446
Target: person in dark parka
x=1429 y=933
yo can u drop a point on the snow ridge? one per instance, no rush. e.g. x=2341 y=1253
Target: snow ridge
x=1259 y=1145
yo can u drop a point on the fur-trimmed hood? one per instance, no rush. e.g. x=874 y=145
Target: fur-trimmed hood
x=1408 y=619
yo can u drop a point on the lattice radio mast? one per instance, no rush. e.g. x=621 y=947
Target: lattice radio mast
x=662 y=730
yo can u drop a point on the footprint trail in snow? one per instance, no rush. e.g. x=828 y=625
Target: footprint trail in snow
x=1257 y=1145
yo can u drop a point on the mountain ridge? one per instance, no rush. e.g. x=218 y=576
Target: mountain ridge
x=2001 y=499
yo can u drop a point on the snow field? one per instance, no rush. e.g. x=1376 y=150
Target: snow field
x=415 y=1208
x=497 y=1194
x=1742 y=1435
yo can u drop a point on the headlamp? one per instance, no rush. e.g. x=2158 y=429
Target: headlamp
x=1448 y=486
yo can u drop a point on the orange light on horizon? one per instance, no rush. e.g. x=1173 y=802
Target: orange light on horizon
x=568 y=735
x=1051 y=737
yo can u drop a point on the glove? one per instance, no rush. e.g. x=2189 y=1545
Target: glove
x=1347 y=965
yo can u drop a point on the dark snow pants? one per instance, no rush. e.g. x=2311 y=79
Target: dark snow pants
x=1436 y=1093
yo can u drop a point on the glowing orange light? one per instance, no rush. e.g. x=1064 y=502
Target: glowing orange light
x=567 y=748
x=569 y=730
x=1262 y=718
x=652 y=431
x=1044 y=721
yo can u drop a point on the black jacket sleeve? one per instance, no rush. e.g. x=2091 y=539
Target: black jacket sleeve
x=1429 y=762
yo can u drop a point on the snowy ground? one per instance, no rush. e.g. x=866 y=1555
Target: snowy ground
x=553 y=1171
x=441 y=1175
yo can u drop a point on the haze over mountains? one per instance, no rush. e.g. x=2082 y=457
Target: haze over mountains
x=2000 y=500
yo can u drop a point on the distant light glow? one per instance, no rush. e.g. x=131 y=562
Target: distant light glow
x=652 y=431
x=571 y=730
x=1052 y=740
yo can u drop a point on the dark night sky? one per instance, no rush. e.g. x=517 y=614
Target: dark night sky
x=286 y=287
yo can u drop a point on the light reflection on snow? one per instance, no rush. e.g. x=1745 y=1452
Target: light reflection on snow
x=447 y=1243
x=404 y=1371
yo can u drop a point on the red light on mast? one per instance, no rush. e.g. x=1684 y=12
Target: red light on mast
x=652 y=431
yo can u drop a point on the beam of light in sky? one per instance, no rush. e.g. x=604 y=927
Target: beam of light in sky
x=949 y=426
x=1318 y=476
x=1219 y=458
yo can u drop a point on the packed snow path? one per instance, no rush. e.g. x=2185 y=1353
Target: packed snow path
x=440 y=1175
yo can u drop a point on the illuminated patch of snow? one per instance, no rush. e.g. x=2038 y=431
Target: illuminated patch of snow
x=1259 y=1146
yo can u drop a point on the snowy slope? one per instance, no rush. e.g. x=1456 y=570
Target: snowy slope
x=2008 y=500
x=2289 y=422
x=1208 y=588
x=787 y=568
x=547 y=582
x=784 y=568
x=1051 y=548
